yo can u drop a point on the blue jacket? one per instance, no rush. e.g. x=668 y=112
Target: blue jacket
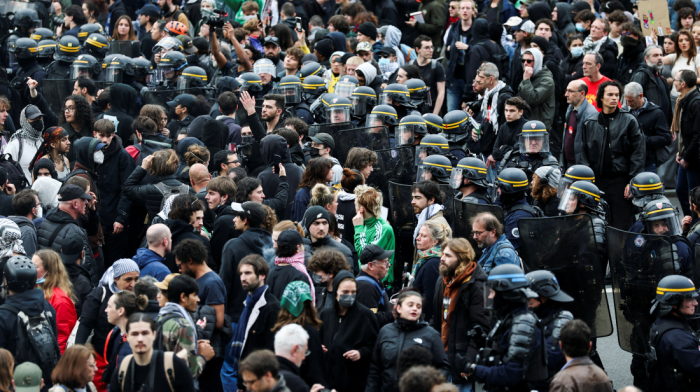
x=151 y=263
x=507 y=11
x=501 y=252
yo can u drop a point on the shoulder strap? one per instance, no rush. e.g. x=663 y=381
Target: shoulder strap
x=374 y=282
x=123 y=368
x=54 y=235
x=168 y=364
x=21 y=149
x=104 y=293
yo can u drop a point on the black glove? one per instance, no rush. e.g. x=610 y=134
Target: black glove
x=469 y=369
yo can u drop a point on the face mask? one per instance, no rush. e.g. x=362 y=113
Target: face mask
x=346 y=300
x=39 y=212
x=580 y=28
x=315 y=152
x=383 y=61
x=628 y=42
x=38 y=125
x=577 y=52
x=318 y=279
x=99 y=157
x=42 y=279
x=247 y=17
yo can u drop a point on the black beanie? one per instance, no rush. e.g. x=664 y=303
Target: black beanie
x=495 y=32
x=324 y=47
x=368 y=29
x=542 y=43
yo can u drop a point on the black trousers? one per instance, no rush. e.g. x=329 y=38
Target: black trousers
x=622 y=210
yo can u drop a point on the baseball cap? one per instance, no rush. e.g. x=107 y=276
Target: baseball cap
x=289 y=238
x=32 y=112
x=100 y=146
x=374 y=252
x=388 y=50
x=166 y=282
x=201 y=43
x=150 y=10
x=271 y=40
x=527 y=26
x=325 y=139
x=185 y=100
x=363 y=47
x=187 y=44
x=513 y=21
x=72 y=192
x=27 y=378
x=250 y=210
x=71 y=249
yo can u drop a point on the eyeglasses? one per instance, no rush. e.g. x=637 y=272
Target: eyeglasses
x=526 y=61
x=573 y=91
x=69 y=109
x=248 y=384
x=379 y=262
x=307 y=353
x=477 y=233
x=232 y=163
x=453 y=7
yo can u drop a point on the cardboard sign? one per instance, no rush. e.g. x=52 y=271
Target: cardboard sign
x=654 y=15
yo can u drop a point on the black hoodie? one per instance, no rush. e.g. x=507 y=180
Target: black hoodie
x=539 y=11
x=181 y=231
x=563 y=23
x=224 y=230
x=481 y=49
x=80 y=279
x=121 y=97
x=113 y=173
x=629 y=61
x=273 y=145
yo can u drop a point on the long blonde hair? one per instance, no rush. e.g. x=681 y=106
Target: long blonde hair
x=56 y=275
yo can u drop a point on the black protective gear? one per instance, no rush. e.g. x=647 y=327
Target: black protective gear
x=671 y=291
x=68 y=49
x=337 y=110
x=47 y=49
x=87 y=30
x=97 y=45
x=290 y=87
x=661 y=218
x=313 y=87
x=580 y=192
x=456 y=125
x=24 y=18
x=250 y=82
x=573 y=174
x=192 y=77
x=24 y=48
x=395 y=95
x=645 y=187
x=434 y=123
x=311 y=69
x=19 y=274
x=544 y=284
x=410 y=128
x=419 y=93
x=42 y=33
x=512 y=180
x=430 y=145
x=534 y=133
x=471 y=168
x=385 y=113
x=362 y=99
x=438 y=166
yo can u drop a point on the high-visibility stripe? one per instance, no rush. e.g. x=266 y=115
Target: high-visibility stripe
x=416 y=89
x=289 y=83
x=449 y=168
x=366 y=95
x=648 y=187
x=580 y=178
x=48 y=46
x=68 y=48
x=520 y=183
x=413 y=123
x=534 y=130
x=340 y=104
x=32 y=49
x=435 y=125
x=661 y=290
x=97 y=43
x=83 y=34
x=479 y=169
x=597 y=198
x=203 y=77
x=430 y=144
x=509 y=276
x=661 y=210
x=388 y=114
x=80 y=61
x=455 y=125
x=397 y=92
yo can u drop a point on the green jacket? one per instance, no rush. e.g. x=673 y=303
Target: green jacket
x=434 y=26
x=376 y=231
x=538 y=92
x=178 y=335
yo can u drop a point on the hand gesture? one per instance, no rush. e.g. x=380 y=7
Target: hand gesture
x=32 y=84
x=685 y=223
x=654 y=36
x=248 y=103
x=352 y=355
x=10 y=189
x=205 y=349
x=146 y=164
x=228 y=29
x=117 y=228
x=527 y=74
x=282 y=170
x=358 y=219
x=92 y=204
x=461 y=45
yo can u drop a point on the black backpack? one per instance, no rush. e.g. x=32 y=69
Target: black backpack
x=15 y=174
x=36 y=341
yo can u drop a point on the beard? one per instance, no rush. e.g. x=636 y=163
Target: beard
x=447 y=271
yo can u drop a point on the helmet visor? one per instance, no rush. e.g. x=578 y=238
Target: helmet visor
x=345 y=89
x=424 y=151
x=375 y=120
x=665 y=225
x=385 y=99
x=151 y=79
x=359 y=108
x=425 y=173
x=184 y=83
x=404 y=135
x=533 y=143
x=291 y=93
x=264 y=68
x=564 y=184
x=490 y=293
x=113 y=75
x=338 y=114
x=569 y=202
x=80 y=70
x=12 y=59
x=456 y=178
x=163 y=74
x=421 y=97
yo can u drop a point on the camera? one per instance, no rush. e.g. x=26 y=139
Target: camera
x=215 y=21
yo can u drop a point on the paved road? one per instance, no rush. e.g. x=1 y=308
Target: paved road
x=616 y=361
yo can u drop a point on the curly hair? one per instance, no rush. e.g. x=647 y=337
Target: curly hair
x=359 y=158
x=245 y=187
x=420 y=379
x=315 y=173
x=197 y=154
x=270 y=219
x=365 y=16
x=328 y=260
x=83 y=113
x=184 y=206
x=540 y=192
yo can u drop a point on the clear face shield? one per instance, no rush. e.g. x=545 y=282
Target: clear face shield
x=338 y=114
x=12 y=59
x=151 y=79
x=291 y=93
x=425 y=173
x=163 y=74
x=569 y=202
x=535 y=143
x=422 y=97
x=359 y=105
x=456 y=178
x=376 y=121
x=80 y=70
x=423 y=152
x=668 y=225
x=114 y=75
x=490 y=293
x=385 y=99
x=564 y=184
x=345 y=89
x=404 y=135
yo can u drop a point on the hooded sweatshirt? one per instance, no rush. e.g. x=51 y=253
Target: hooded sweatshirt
x=47 y=188
x=481 y=49
x=151 y=264
x=121 y=97
x=563 y=23
x=224 y=84
x=393 y=40
x=31 y=142
x=371 y=79
x=339 y=41
x=273 y=145
x=113 y=173
x=538 y=91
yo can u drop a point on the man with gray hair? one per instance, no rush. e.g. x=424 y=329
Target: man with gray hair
x=492 y=113
x=151 y=260
x=648 y=75
x=653 y=122
x=291 y=346
x=579 y=110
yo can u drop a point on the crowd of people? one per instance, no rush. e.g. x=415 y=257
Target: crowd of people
x=334 y=195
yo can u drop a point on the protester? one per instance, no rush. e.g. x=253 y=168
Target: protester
x=75 y=370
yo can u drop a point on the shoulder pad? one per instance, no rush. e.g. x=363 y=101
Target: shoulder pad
x=550 y=161
x=522 y=338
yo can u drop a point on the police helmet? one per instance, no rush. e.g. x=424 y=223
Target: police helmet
x=437 y=168
x=290 y=87
x=119 y=66
x=345 y=86
x=142 y=68
x=645 y=187
x=265 y=66
x=533 y=138
x=97 y=45
x=472 y=168
x=47 y=48
x=544 y=284
x=580 y=192
x=456 y=125
x=337 y=109
x=661 y=218
x=362 y=98
x=87 y=30
x=671 y=291
x=24 y=48
x=410 y=127
x=506 y=281
x=42 y=33
x=85 y=66
x=174 y=60
x=314 y=86
x=249 y=82
x=318 y=107
x=310 y=69
x=512 y=180
x=382 y=115
x=430 y=145
x=168 y=43
x=419 y=92
x=68 y=49
x=25 y=18
x=433 y=122
x=396 y=94
x=573 y=174
x=19 y=274
x=192 y=77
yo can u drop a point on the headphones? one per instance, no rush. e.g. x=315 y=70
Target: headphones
x=545 y=180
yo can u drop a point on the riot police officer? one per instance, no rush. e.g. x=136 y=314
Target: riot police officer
x=23 y=23
x=96 y=45
x=410 y=131
x=265 y=68
x=42 y=33
x=580 y=173
x=456 y=125
x=143 y=73
x=68 y=50
x=120 y=70
x=545 y=298
x=397 y=96
x=47 y=49
x=431 y=145
x=675 y=358
x=345 y=86
x=338 y=110
x=318 y=107
x=291 y=88
x=363 y=98
x=192 y=81
x=434 y=123
x=311 y=69
x=584 y=197
x=512 y=186
x=420 y=95
x=469 y=177
x=534 y=150
x=436 y=168
x=645 y=187
x=514 y=363
x=661 y=218
x=250 y=82
x=86 y=66
x=25 y=50
x=87 y=30
x=383 y=116
x=170 y=68
x=312 y=88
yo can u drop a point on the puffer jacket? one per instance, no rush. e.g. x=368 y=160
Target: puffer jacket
x=538 y=91
x=626 y=144
x=148 y=195
x=392 y=340
x=57 y=219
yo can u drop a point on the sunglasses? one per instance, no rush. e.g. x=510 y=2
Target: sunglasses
x=525 y=61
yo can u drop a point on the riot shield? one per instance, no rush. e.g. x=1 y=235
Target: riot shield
x=10 y=7
x=402 y=220
x=55 y=91
x=448 y=199
x=330 y=129
x=158 y=97
x=565 y=246
x=396 y=165
x=374 y=138
x=120 y=47
x=637 y=263
x=464 y=212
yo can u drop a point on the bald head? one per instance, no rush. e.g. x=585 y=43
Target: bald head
x=576 y=92
x=630 y=389
x=199 y=176
x=159 y=239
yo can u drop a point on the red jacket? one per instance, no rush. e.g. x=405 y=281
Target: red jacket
x=66 y=316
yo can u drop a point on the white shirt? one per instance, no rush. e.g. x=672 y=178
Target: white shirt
x=28 y=152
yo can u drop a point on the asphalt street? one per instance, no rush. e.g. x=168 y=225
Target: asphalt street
x=616 y=361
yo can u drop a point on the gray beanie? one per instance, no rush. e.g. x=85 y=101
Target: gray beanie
x=124 y=266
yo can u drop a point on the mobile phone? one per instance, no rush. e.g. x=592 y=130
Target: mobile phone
x=276 y=161
x=298 y=23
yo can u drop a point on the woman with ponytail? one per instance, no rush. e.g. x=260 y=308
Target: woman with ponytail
x=120 y=307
